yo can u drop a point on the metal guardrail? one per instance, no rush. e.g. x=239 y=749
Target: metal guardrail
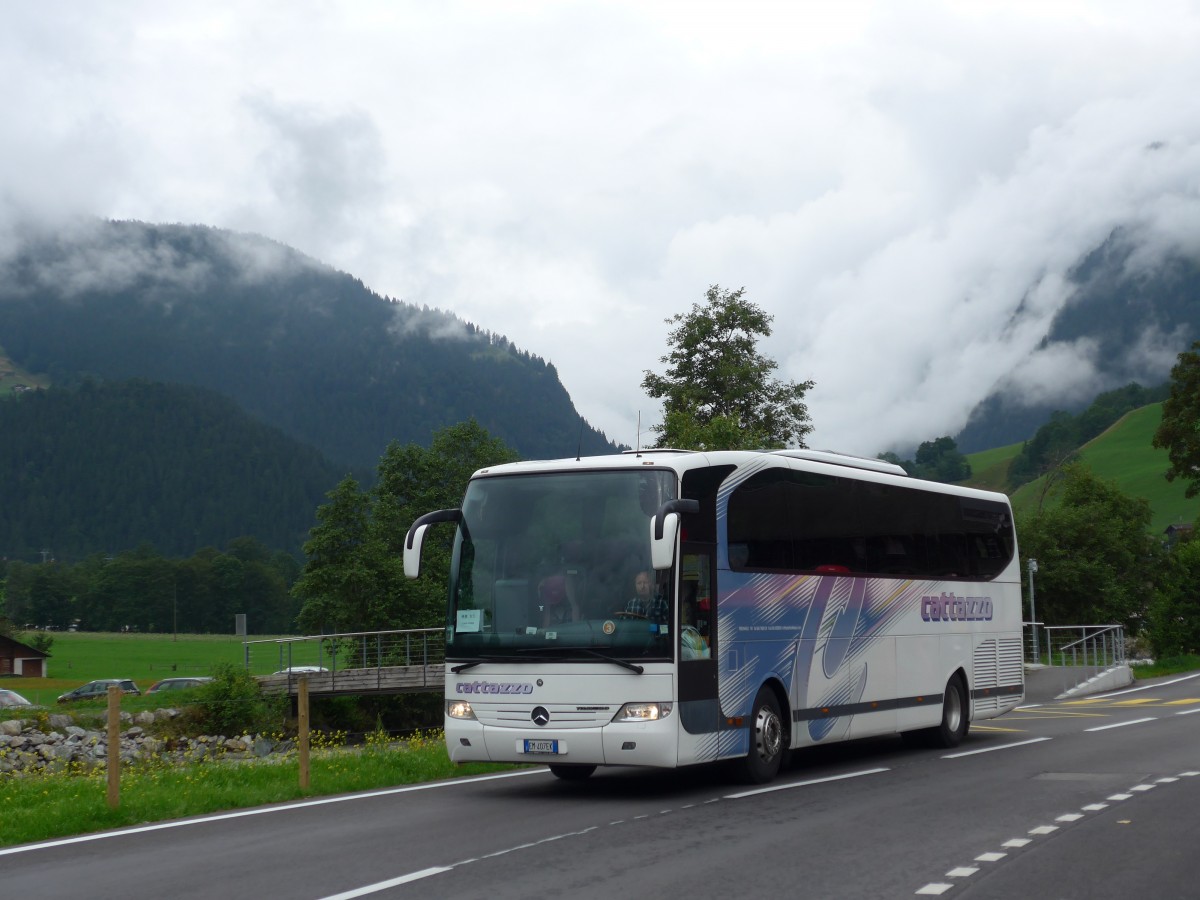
x=350 y=662
x=1084 y=651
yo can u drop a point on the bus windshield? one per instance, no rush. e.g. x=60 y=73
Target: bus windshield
x=557 y=567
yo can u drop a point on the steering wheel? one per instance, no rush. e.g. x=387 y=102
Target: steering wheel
x=626 y=614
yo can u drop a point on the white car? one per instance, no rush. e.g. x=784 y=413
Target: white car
x=300 y=670
x=9 y=699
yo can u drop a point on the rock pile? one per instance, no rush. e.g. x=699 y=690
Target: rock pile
x=26 y=748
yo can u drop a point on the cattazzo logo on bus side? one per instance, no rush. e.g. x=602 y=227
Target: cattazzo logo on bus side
x=952 y=608
x=493 y=687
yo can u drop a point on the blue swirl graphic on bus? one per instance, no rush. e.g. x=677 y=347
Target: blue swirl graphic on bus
x=812 y=633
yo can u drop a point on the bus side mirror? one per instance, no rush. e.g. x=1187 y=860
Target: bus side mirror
x=415 y=539
x=664 y=530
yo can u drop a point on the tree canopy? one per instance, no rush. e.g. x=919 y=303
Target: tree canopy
x=1179 y=432
x=718 y=392
x=936 y=460
x=1095 y=555
x=353 y=579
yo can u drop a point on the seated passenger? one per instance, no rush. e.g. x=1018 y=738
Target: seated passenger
x=645 y=602
x=692 y=644
x=556 y=601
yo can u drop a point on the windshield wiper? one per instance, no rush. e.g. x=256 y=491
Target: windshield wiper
x=462 y=667
x=625 y=664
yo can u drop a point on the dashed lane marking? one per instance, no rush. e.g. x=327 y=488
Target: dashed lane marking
x=961 y=873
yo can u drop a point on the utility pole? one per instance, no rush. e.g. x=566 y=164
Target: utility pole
x=1033 y=567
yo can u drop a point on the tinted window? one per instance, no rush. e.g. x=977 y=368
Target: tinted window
x=801 y=521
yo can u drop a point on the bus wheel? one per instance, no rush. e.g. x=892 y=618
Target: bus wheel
x=955 y=717
x=573 y=773
x=766 y=739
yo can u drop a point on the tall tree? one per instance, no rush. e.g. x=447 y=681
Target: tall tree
x=343 y=584
x=353 y=579
x=414 y=480
x=718 y=392
x=1173 y=620
x=1096 y=559
x=1179 y=432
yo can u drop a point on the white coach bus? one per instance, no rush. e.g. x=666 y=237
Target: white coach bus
x=669 y=608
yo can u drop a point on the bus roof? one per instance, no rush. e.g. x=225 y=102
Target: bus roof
x=684 y=460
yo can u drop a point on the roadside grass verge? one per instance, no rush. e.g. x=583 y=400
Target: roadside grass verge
x=68 y=803
x=1175 y=665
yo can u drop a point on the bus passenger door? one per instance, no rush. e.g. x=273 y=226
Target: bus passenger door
x=696 y=630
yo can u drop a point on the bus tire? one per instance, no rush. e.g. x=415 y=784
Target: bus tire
x=572 y=773
x=956 y=715
x=955 y=720
x=767 y=739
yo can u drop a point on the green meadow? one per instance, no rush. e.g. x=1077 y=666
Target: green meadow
x=79 y=657
x=1122 y=454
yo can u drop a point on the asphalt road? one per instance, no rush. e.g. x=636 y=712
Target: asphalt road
x=1094 y=798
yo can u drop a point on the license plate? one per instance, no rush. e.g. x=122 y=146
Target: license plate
x=541 y=746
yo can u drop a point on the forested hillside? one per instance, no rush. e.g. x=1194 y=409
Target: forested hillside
x=293 y=342
x=1129 y=315
x=110 y=466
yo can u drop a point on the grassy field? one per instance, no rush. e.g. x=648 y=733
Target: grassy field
x=989 y=468
x=12 y=374
x=1122 y=454
x=79 y=657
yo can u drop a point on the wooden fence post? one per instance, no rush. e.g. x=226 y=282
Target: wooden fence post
x=113 y=751
x=302 y=728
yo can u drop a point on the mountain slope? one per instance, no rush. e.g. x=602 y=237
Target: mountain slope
x=1132 y=311
x=1122 y=454
x=109 y=466
x=294 y=343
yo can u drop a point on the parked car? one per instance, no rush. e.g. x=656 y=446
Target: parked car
x=93 y=690
x=301 y=670
x=10 y=699
x=177 y=684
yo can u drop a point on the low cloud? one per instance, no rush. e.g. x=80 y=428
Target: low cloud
x=908 y=190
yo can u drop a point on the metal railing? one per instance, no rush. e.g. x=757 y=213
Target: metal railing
x=1084 y=651
x=352 y=650
x=1034 y=645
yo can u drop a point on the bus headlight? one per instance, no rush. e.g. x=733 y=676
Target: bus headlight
x=642 y=712
x=459 y=709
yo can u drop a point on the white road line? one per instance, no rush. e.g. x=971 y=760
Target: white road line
x=263 y=810
x=390 y=883
x=1044 y=829
x=997 y=747
x=438 y=870
x=962 y=872
x=934 y=890
x=1188 y=712
x=1122 y=724
x=796 y=784
x=990 y=857
x=1148 y=687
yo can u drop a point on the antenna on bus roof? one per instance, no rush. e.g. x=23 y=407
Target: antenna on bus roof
x=637 y=446
x=579 y=449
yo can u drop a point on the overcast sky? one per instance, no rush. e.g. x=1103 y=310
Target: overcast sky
x=903 y=185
